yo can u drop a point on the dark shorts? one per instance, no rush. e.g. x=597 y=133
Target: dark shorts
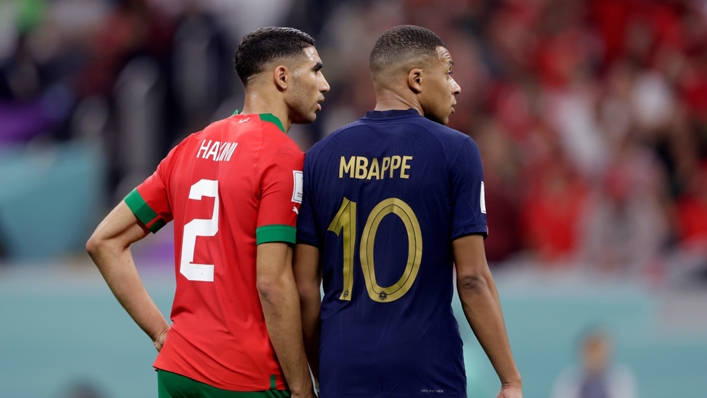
x=172 y=385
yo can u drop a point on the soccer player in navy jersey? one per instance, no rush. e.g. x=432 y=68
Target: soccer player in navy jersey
x=392 y=202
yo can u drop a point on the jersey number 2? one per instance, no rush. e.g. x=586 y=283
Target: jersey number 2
x=345 y=220
x=199 y=227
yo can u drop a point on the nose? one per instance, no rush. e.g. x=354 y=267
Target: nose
x=323 y=84
x=456 y=89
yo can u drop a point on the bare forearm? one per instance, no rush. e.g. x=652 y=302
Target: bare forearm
x=281 y=308
x=118 y=269
x=310 y=304
x=482 y=309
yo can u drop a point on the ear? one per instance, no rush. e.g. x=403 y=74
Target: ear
x=415 y=80
x=282 y=77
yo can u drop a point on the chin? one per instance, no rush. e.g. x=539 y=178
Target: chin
x=304 y=119
x=438 y=119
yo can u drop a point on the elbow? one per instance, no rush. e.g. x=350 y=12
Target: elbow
x=93 y=246
x=98 y=247
x=474 y=283
x=307 y=290
x=269 y=289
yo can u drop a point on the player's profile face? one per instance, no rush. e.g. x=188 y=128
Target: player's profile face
x=308 y=88
x=440 y=88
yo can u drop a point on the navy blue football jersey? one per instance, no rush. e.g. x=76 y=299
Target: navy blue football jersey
x=384 y=198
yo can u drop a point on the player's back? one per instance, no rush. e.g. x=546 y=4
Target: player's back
x=382 y=201
x=215 y=182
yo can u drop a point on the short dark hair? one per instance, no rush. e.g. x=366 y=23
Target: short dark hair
x=264 y=45
x=402 y=43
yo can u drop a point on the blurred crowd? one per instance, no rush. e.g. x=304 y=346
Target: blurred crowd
x=591 y=115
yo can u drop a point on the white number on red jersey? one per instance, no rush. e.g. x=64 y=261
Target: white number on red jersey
x=199 y=227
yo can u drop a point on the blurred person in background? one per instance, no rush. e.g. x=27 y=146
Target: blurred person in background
x=377 y=333
x=692 y=212
x=84 y=389
x=628 y=230
x=501 y=169
x=596 y=376
x=554 y=202
x=234 y=191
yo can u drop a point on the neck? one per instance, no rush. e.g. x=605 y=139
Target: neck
x=258 y=102
x=388 y=100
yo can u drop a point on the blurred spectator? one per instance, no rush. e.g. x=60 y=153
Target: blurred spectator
x=628 y=227
x=83 y=389
x=595 y=376
x=554 y=202
x=501 y=172
x=692 y=212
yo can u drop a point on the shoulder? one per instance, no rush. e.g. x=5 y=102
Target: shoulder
x=336 y=135
x=218 y=125
x=455 y=145
x=447 y=136
x=278 y=148
x=279 y=141
x=184 y=144
x=331 y=141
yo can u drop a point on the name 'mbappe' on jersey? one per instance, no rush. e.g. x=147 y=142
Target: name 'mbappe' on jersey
x=383 y=199
x=361 y=167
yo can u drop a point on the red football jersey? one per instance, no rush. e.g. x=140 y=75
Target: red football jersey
x=230 y=187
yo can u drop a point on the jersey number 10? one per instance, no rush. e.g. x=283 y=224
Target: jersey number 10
x=345 y=220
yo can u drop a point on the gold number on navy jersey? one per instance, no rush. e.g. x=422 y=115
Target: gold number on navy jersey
x=345 y=219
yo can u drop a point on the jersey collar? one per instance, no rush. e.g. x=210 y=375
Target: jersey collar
x=268 y=117
x=391 y=113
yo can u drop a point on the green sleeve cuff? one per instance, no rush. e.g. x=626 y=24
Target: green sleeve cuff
x=276 y=233
x=143 y=211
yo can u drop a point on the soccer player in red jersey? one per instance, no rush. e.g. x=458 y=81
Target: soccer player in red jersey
x=234 y=192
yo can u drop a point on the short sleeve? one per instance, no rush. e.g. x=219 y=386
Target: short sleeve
x=150 y=200
x=469 y=206
x=281 y=196
x=306 y=226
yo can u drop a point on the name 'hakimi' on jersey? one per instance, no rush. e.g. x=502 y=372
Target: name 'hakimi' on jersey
x=217 y=151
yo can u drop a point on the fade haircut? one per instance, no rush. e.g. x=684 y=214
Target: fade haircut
x=265 y=45
x=403 y=43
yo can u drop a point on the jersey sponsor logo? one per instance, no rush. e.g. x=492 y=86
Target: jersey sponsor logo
x=298 y=186
x=244 y=120
x=482 y=199
x=362 y=168
x=294 y=208
x=216 y=150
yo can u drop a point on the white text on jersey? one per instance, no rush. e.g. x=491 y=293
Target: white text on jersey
x=217 y=151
